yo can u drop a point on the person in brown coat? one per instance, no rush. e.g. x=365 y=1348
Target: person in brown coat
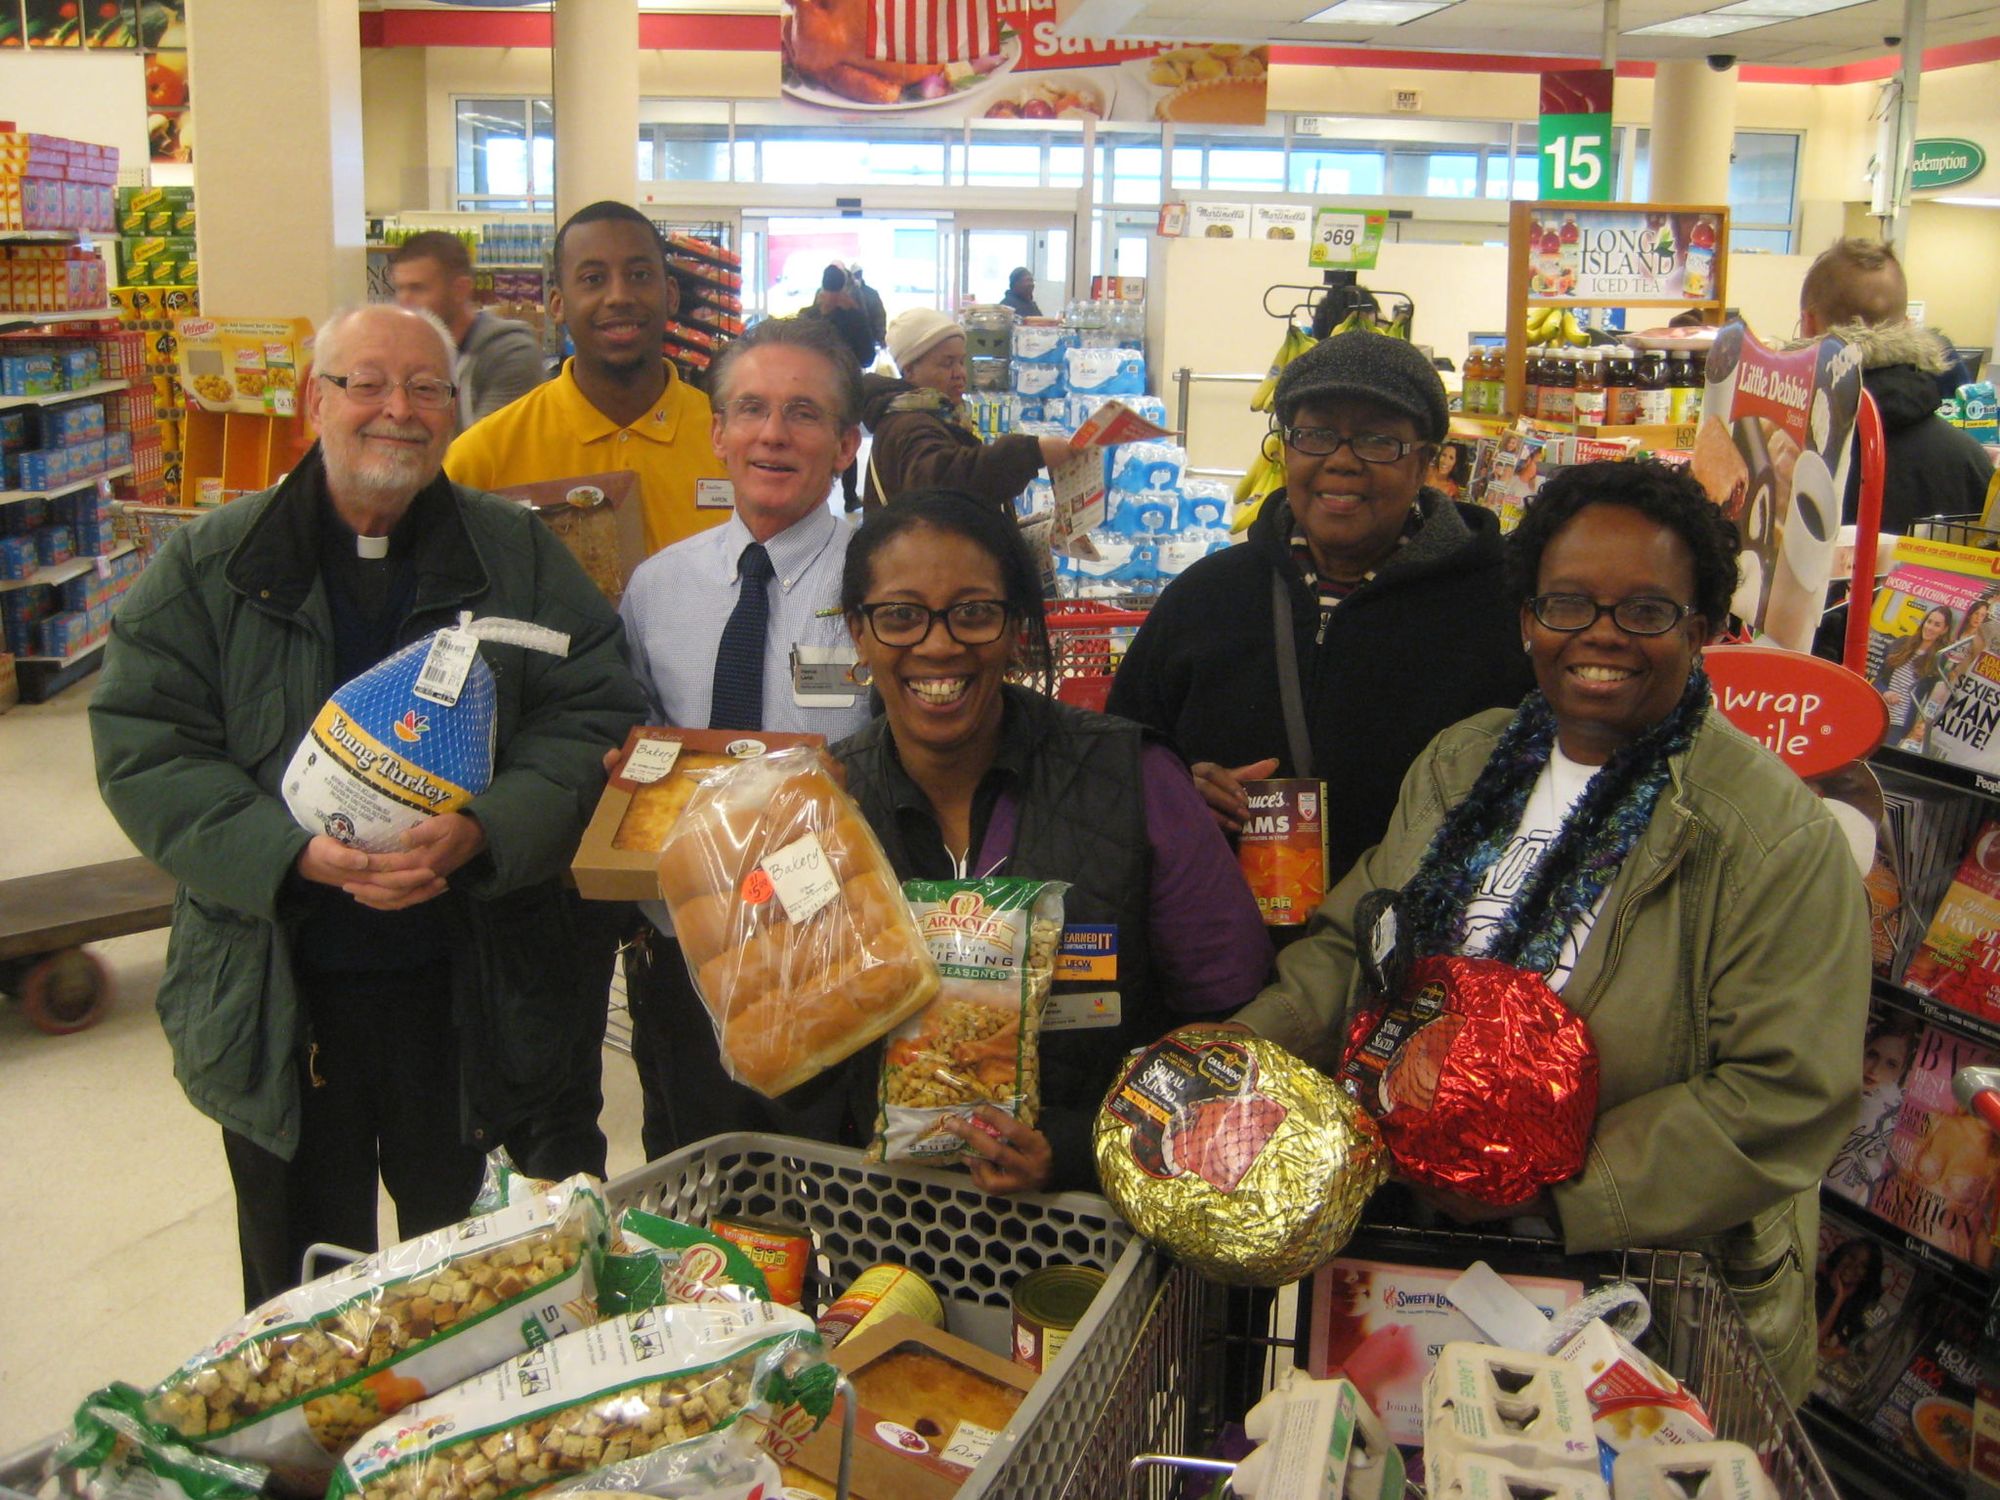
x=921 y=437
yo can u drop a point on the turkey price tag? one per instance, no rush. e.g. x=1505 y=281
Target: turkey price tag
x=450 y=658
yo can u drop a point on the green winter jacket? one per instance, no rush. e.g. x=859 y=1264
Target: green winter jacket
x=1725 y=982
x=220 y=656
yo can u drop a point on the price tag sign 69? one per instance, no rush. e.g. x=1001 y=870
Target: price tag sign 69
x=1344 y=239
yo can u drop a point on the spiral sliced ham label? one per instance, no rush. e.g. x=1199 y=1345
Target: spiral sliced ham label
x=1232 y=1154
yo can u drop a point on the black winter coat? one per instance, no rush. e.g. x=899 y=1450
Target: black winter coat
x=1931 y=468
x=1433 y=638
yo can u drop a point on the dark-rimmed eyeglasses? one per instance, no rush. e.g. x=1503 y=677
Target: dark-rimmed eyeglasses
x=371 y=388
x=1324 y=442
x=970 y=622
x=1642 y=614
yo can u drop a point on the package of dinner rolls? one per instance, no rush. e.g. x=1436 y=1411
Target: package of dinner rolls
x=978 y=1041
x=791 y=920
x=294 y=1382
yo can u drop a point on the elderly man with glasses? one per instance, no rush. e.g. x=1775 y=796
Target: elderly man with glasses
x=740 y=628
x=1363 y=613
x=342 y=1013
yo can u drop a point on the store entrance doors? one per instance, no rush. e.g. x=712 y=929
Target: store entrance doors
x=992 y=244
x=905 y=257
x=911 y=258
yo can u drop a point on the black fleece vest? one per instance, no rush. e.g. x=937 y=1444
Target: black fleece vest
x=1081 y=818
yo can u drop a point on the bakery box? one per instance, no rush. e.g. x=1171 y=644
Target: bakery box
x=657 y=772
x=930 y=1405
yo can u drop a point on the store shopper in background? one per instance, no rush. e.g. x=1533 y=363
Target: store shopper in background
x=339 y=1012
x=1674 y=881
x=839 y=306
x=617 y=405
x=1363 y=614
x=966 y=774
x=871 y=307
x=498 y=358
x=1020 y=293
x=718 y=625
x=1856 y=292
x=921 y=437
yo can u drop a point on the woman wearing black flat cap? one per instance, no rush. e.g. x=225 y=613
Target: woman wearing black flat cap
x=1363 y=613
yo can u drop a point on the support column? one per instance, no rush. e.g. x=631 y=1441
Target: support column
x=277 y=171
x=1694 y=128
x=596 y=74
x=1911 y=79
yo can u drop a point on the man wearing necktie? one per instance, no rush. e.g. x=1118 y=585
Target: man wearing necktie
x=719 y=626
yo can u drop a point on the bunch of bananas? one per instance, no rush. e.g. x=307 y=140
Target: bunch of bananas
x=1555 y=325
x=1297 y=341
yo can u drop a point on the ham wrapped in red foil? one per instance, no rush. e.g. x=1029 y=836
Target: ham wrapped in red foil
x=1482 y=1082
x=1230 y=1153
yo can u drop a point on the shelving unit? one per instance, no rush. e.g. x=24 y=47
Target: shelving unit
x=57 y=398
x=62 y=572
x=9 y=497
x=13 y=322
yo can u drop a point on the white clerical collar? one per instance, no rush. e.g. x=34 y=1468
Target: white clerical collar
x=371 y=547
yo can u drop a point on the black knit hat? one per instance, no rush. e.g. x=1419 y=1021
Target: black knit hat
x=1372 y=367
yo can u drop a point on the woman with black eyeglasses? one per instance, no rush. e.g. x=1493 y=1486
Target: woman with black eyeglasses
x=1678 y=886
x=968 y=775
x=1362 y=614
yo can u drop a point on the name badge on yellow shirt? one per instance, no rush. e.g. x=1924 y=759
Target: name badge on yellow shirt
x=823 y=676
x=714 y=494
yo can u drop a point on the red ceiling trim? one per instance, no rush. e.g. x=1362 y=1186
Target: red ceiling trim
x=1958 y=55
x=657 y=31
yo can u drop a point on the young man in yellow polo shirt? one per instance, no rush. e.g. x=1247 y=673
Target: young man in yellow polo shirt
x=618 y=405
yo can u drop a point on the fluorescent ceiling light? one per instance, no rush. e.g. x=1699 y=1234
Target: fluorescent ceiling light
x=1712 y=24
x=1375 y=12
x=1965 y=202
x=1785 y=9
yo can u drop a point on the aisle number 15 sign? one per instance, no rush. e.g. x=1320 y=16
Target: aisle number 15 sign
x=1346 y=239
x=1576 y=136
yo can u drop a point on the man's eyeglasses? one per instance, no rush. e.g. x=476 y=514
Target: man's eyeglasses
x=1642 y=614
x=1324 y=442
x=970 y=622
x=799 y=415
x=371 y=388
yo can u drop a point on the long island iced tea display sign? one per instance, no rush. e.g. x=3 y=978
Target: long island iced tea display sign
x=1576 y=255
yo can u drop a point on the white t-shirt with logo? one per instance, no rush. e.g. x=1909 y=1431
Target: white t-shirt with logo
x=1555 y=792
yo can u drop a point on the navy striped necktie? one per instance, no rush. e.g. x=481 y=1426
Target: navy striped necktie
x=737 y=699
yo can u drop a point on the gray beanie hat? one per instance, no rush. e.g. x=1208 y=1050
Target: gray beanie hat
x=1368 y=366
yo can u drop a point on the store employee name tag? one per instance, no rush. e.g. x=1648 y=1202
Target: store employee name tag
x=1081 y=1012
x=714 y=494
x=823 y=676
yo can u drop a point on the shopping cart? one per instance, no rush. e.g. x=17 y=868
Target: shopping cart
x=150 y=525
x=1125 y=1383
x=1697 y=1333
x=1087 y=640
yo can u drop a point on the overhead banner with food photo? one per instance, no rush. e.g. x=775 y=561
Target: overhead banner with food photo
x=946 y=61
x=1772 y=450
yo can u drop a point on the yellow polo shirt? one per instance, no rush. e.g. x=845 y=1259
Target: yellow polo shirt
x=554 y=432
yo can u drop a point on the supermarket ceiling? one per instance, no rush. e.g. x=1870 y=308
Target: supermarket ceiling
x=1776 y=33
x=1769 y=33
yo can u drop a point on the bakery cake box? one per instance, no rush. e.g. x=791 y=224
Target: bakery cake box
x=657 y=772
x=929 y=1405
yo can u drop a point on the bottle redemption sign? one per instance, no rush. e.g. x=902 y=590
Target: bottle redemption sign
x=1576 y=136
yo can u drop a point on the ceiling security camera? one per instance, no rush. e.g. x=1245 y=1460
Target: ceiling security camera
x=1722 y=62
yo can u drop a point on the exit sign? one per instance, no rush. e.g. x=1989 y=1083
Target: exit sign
x=1409 y=101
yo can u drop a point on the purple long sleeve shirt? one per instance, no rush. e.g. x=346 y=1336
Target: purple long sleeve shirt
x=1208 y=941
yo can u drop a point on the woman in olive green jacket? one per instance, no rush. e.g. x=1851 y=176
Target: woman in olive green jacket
x=1723 y=965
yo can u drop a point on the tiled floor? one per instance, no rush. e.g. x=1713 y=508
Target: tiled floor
x=117 y=1235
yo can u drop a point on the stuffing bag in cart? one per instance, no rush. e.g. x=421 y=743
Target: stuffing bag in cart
x=635 y=1390
x=297 y=1380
